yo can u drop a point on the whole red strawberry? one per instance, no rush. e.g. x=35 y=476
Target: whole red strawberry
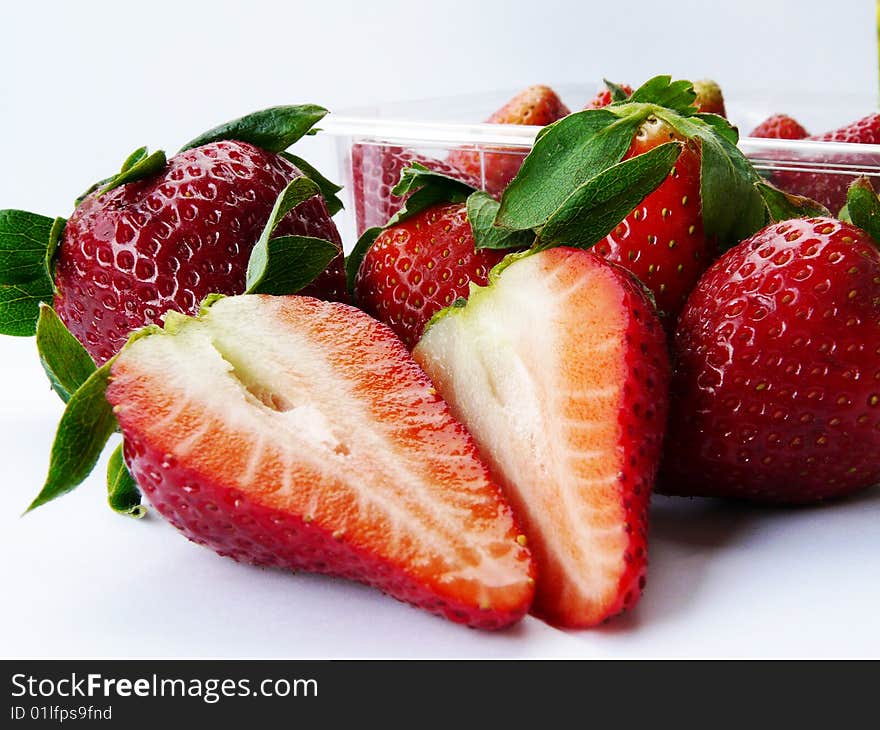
x=163 y=234
x=376 y=170
x=780 y=126
x=829 y=187
x=165 y=242
x=536 y=105
x=419 y=266
x=662 y=241
x=776 y=395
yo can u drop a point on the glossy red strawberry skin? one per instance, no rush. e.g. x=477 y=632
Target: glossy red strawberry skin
x=227 y=521
x=409 y=509
x=662 y=241
x=129 y=255
x=780 y=126
x=830 y=188
x=418 y=267
x=643 y=418
x=536 y=105
x=776 y=395
x=376 y=170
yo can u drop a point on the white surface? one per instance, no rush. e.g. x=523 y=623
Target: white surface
x=86 y=83
x=79 y=580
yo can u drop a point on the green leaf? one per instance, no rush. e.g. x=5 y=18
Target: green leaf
x=286 y=264
x=423 y=188
x=328 y=188
x=663 y=91
x=720 y=126
x=571 y=151
x=863 y=207
x=353 y=262
x=140 y=154
x=274 y=129
x=123 y=494
x=55 y=235
x=617 y=92
x=596 y=207
x=24 y=238
x=732 y=207
x=65 y=360
x=783 y=206
x=83 y=431
x=137 y=166
x=294 y=262
x=92 y=188
x=415 y=177
x=20 y=306
x=844 y=215
x=481 y=210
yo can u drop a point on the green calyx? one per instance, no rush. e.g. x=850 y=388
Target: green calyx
x=88 y=420
x=785 y=206
x=863 y=207
x=576 y=158
x=286 y=264
x=273 y=129
x=27 y=244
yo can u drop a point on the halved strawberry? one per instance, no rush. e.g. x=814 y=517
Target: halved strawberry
x=296 y=433
x=559 y=370
x=536 y=105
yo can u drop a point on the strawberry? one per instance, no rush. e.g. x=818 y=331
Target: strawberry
x=605 y=96
x=663 y=241
x=419 y=266
x=650 y=182
x=130 y=255
x=829 y=187
x=709 y=99
x=559 y=370
x=162 y=235
x=780 y=126
x=536 y=105
x=297 y=433
x=776 y=396
x=376 y=170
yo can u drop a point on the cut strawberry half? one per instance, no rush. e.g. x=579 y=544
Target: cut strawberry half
x=290 y=432
x=559 y=370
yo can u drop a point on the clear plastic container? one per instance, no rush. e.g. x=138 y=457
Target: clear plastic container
x=435 y=127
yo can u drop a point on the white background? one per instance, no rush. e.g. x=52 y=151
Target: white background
x=85 y=83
